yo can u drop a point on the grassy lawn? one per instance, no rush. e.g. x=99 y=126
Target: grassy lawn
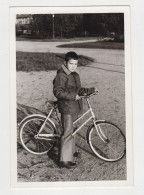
x=26 y=61
x=94 y=45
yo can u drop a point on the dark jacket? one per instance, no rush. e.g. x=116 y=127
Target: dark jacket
x=66 y=86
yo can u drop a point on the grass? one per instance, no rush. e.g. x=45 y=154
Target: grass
x=27 y=61
x=95 y=45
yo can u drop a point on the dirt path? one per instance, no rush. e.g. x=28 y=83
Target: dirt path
x=34 y=87
x=107 y=56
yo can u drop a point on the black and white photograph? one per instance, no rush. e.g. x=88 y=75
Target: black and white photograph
x=71 y=94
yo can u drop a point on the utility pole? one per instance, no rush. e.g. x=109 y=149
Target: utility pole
x=53 y=27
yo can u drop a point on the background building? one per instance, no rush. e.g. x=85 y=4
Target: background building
x=23 y=24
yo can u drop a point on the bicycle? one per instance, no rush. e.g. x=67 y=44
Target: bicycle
x=38 y=133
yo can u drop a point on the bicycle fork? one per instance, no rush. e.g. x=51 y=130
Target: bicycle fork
x=100 y=133
x=98 y=128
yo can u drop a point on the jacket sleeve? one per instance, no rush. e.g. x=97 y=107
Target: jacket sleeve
x=86 y=91
x=59 y=89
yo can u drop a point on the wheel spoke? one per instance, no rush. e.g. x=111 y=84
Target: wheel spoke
x=31 y=130
x=113 y=150
x=33 y=126
x=38 y=146
x=100 y=152
x=27 y=140
x=43 y=145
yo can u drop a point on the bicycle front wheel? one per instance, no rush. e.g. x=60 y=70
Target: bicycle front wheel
x=107 y=141
x=29 y=128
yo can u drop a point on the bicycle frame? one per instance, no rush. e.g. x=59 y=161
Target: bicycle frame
x=91 y=117
x=100 y=133
x=48 y=116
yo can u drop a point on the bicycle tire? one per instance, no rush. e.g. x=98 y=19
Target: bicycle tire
x=110 y=144
x=29 y=127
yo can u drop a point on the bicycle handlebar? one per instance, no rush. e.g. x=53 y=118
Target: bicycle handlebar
x=87 y=96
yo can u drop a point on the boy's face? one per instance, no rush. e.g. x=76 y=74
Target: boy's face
x=72 y=65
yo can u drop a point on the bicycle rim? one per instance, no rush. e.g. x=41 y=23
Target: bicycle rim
x=107 y=141
x=29 y=128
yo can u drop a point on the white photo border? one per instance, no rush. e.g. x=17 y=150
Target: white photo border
x=128 y=88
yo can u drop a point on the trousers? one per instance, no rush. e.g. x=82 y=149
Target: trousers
x=67 y=146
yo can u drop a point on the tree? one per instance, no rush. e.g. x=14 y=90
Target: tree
x=101 y=24
x=68 y=25
x=75 y=25
x=41 y=24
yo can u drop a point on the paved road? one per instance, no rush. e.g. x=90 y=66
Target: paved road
x=104 y=58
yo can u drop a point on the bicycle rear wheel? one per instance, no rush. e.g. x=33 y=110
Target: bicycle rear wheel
x=107 y=141
x=29 y=128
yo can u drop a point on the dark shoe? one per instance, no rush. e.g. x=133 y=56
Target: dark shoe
x=76 y=154
x=67 y=164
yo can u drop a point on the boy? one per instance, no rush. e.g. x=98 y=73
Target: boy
x=67 y=89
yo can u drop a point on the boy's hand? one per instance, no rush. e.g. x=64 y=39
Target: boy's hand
x=77 y=97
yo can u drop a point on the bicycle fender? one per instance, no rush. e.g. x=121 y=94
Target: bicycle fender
x=90 y=126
